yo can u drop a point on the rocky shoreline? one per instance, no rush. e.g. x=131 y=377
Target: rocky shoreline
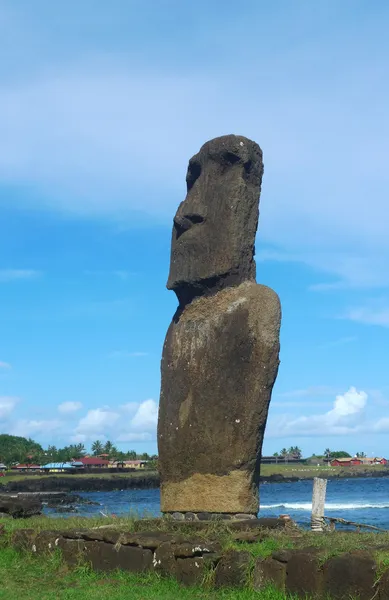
x=74 y=484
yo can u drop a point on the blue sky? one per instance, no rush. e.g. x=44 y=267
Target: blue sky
x=100 y=110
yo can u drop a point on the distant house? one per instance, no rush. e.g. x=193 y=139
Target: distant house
x=64 y=467
x=26 y=468
x=3 y=467
x=94 y=462
x=128 y=464
x=274 y=460
x=346 y=462
x=354 y=461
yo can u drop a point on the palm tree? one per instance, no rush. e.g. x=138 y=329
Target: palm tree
x=97 y=448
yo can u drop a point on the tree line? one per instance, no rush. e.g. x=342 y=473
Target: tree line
x=15 y=449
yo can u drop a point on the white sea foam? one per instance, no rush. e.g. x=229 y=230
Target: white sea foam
x=328 y=506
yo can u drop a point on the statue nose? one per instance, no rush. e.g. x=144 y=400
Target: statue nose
x=184 y=222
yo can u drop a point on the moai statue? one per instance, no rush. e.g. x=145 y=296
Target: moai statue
x=220 y=357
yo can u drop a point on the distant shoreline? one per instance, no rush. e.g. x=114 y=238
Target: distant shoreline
x=102 y=483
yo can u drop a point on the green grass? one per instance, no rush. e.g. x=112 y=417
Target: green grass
x=24 y=476
x=47 y=578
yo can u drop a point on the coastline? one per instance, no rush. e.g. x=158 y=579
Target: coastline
x=100 y=483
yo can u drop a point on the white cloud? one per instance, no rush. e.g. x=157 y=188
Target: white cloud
x=8 y=275
x=69 y=407
x=131 y=422
x=97 y=423
x=130 y=407
x=4 y=365
x=7 y=405
x=346 y=417
x=146 y=416
x=31 y=427
x=134 y=437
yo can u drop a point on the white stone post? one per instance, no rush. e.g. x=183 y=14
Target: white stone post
x=318 y=502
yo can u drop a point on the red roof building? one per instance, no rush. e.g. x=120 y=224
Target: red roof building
x=93 y=461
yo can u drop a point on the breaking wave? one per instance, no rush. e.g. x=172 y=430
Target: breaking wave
x=328 y=506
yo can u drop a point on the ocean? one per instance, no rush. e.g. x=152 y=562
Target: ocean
x=362 y=500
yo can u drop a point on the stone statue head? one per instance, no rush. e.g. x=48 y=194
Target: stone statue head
x=214 y=227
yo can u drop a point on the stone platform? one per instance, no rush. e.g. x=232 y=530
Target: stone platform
x=194 y=560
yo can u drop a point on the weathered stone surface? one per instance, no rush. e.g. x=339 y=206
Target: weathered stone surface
x=23 y=539
x=220 y=357
x=73 y=551
x=164 y=561
x=304 y=576
x=269 y=571
x=190 y=571
x=350 y=576
x=18 y=507
x=107 y=557
x=232 y=569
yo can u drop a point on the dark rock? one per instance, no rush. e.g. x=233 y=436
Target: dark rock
x=23 y=539
x=178 y=516
x=303 y=575
x=247 y=537
x=220 y=357
x=106 y=557
x=164 y=561
x=269 y=571
x=75 y=483
x=190 y=571
x=350 y=575
x=190 y=516
x=73 y=551
x=19 y=508
x=282 y=555
x=233 y=569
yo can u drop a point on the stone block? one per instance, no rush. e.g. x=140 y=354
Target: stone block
x=269 y=572
x=73 y=551
x=190 y=571
x=164 y=561
x=303 y=574
x=23 y=539
x=107 y=557
x=233 y=569
x=350 y=575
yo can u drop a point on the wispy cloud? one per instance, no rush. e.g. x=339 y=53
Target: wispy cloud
x=126 y=354
x=5 y=366
x=8 y=275
x=7 y=405
x=369 y=315
x=69 y=407
x=313 y=391
x=340 y=342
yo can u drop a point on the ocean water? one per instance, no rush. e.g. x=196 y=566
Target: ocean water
x=361 y=500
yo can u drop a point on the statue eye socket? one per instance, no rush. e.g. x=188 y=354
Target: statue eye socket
x=194 y=171
x=230 y=158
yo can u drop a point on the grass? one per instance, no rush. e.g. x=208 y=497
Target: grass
x=310 y=471
x=24 y=476
x=48 y=578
